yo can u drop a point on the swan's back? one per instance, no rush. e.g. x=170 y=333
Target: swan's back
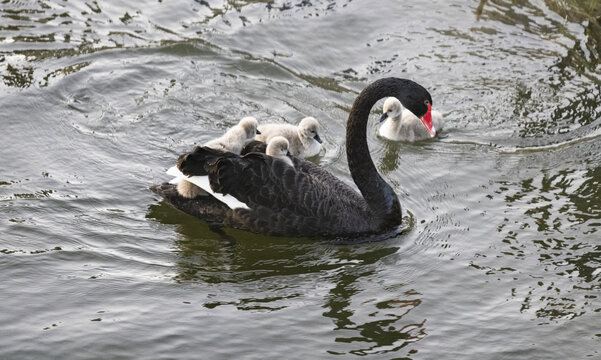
x=303 y=200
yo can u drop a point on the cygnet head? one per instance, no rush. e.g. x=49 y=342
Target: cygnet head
x=249 y=124
x=278 y=147
x=309 y=128
x=392 y=109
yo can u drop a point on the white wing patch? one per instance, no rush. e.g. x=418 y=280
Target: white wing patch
x=203 y=183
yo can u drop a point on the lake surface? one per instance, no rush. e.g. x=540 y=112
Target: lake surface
x=501 y=253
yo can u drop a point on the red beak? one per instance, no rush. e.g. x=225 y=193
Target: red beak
x=427 y=121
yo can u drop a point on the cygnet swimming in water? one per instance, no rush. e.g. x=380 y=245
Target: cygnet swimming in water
x=402 y=125
x=278 y=148
x=304 y=140
x=232 y=141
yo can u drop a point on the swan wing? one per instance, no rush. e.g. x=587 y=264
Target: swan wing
x=259 y=180
x=197 y=175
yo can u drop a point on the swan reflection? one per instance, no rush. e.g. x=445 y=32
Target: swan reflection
x=346 y=284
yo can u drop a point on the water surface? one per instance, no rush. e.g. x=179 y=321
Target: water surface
x=500 y=257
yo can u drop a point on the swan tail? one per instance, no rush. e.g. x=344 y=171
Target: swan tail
x=196 y=162
x=225 y=175
x=193 y=186
x=205 y=207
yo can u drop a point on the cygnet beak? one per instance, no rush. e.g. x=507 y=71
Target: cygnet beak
x=317 y=138
x=288 y=153
x=427 y=121
x=383 y=117
x=258 y=132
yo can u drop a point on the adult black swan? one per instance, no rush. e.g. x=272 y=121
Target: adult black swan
x=304 y=199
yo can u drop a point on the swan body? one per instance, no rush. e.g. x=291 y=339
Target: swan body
x=233 y=141
x=278 y=148
x=402 y=125
x=304 y=139
x=304 y=199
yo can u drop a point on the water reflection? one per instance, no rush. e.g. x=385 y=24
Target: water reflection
x=392 y=156
x=278 y=273
x=382 y=329
x=568 y=97
x=550 y=227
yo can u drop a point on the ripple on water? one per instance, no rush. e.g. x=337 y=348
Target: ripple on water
x=501 y=216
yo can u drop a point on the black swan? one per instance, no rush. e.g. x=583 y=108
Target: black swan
x=304 y=139
x=303 y=200
x=402 y=125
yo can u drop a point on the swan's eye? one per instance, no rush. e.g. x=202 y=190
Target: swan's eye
x=426 y=102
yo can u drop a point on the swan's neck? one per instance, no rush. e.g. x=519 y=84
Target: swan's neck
x=380 y=197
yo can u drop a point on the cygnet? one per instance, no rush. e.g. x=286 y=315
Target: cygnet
x=304 y=140
x=278 y=148
x=402 y=125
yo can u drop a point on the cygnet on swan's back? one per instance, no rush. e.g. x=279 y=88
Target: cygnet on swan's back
x=278 y=148
x=402 y=125
x=236 y=137
x=304 y=139
x=232 y=141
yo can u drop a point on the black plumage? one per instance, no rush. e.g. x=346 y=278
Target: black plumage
x=304 y=200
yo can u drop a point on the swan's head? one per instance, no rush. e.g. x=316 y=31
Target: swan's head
x=309 y=128
x=392 y=109
x=249 y=124
x=418 y=100
x=278 y=147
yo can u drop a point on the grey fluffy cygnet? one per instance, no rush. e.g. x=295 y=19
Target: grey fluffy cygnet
x=233 y=141
x=278 y=148
x=304 y=140
x=402 y=125
x=236 y=137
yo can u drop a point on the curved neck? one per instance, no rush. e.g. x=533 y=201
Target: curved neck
x=379 y=196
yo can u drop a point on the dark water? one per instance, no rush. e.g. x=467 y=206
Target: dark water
x=501 y=258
